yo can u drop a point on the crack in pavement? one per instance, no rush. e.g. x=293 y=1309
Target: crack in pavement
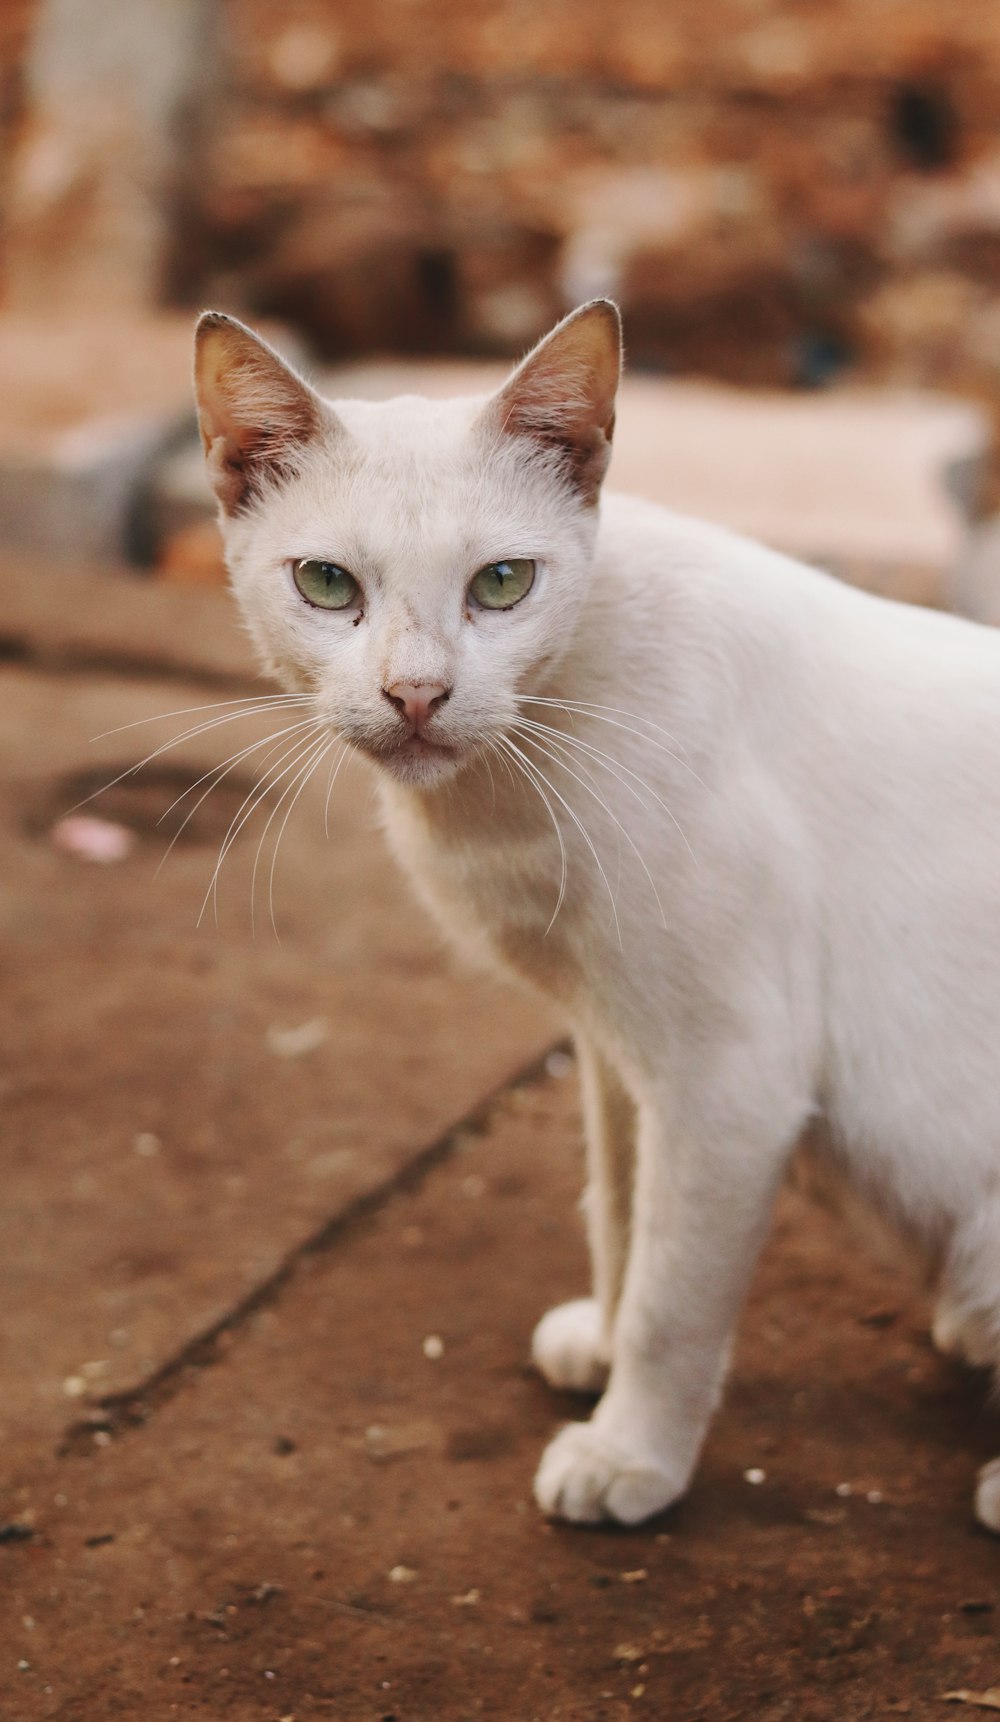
x=69 y=659
x=113 y=1415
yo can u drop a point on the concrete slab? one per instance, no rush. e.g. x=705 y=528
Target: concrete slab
x=99 y=620
x=330 y=1523
x=181 y=1106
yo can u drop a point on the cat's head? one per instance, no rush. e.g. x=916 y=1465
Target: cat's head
x=413 y=565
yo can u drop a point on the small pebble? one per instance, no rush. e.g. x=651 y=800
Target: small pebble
x=433 y=1346
x=755 y=1475
x=636 y=1576
x=402 y=1575
x=843 y=1490
x=297 y=1042
x=558 y=1063
x=146 y=1145
x=74 y=1386
x=874 y=1496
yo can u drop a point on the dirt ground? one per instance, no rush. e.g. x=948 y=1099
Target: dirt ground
x=278 y=1221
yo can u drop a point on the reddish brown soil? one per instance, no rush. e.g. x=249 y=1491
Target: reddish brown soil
x=309 y=1517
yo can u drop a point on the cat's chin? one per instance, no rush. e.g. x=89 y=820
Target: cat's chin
x=420 y=764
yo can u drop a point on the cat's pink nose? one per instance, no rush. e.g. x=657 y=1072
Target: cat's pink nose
x=415 y=701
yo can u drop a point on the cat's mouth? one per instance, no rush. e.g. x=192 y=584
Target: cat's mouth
x=415 y=758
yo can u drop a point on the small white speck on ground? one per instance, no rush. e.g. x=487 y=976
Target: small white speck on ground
x=402 y=1575
x=297 y=1042
x=755 y=1476
x=433 y=1346
x=147 y=1145
x=843 y=1490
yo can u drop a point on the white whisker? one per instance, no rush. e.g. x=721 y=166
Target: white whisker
x=556 y=760
x=563 y=863
x=165 y=747
x=251 y=801
x=615 y=766
x=217 y=773
x=331 y=780
x=585 y=708
x=580 y=826
x=261 y=701
x=317 y=757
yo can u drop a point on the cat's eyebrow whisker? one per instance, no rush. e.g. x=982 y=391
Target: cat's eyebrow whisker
x=262 y=701
x=247 y=807
x=615 y=766
x=585 y=834
x=557 y=760
x=526 y=772
x=316 y=758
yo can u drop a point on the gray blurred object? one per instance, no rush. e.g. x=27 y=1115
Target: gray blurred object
x=116 y=97
x=976 y=585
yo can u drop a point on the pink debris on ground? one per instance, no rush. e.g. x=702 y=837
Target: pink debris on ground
x=92 y=839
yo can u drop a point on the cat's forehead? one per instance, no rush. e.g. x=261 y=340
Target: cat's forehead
x=410 y=426
x=411 y=476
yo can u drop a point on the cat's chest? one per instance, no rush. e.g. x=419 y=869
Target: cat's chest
x=495 y=889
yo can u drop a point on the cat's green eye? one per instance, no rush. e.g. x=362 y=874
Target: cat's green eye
x=325 y=584
x=501 y=585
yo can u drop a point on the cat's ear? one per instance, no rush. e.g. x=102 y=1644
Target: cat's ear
x=254 y=413
x=563 y=394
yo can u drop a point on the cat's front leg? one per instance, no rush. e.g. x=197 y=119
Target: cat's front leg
x=701 y=1208
x=571 y=1345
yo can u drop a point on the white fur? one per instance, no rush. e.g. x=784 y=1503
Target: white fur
x=799 y=908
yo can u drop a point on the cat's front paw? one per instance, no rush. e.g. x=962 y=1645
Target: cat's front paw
x=988 y=1496
x=587 y=1476
x=566 y=1346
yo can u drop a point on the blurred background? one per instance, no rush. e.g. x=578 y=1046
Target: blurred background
x=782 y=195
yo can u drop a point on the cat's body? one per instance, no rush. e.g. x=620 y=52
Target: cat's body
x=754 y=856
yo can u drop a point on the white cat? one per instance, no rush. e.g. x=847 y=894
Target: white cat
x=741 y=822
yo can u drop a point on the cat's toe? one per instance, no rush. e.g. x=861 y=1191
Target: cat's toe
x=988 y=1496
x=586 y=1477
x=566 y=1346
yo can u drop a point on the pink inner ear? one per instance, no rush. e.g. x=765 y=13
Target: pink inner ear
x=563 y=394
x=253 y=410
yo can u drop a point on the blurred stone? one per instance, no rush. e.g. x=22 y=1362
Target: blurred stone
x=88 y=404
x=93 y=409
